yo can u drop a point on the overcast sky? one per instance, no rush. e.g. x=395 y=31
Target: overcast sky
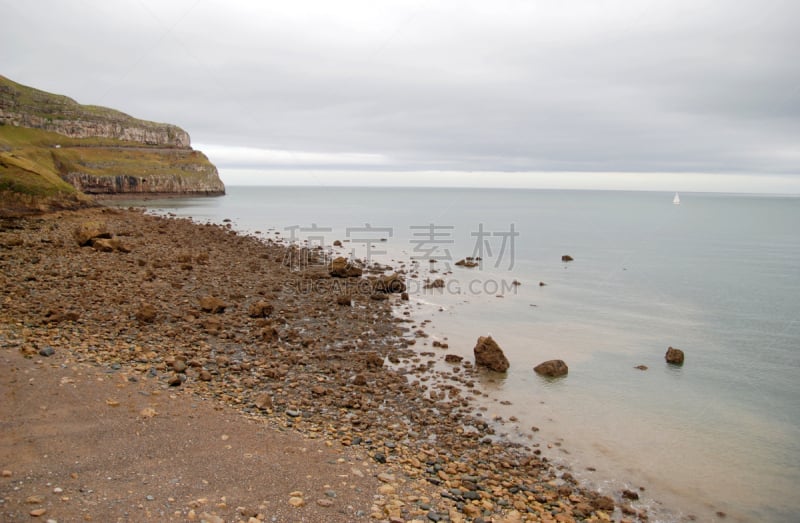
x=564 y=85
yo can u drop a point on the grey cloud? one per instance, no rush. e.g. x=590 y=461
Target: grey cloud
x=617 y=86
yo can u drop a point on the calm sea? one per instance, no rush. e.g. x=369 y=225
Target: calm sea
x=717 y=276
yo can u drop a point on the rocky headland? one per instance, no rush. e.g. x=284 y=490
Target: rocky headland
x=55 y=151
x=279 y=336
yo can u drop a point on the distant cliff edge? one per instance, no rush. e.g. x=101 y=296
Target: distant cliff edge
x=54 y=149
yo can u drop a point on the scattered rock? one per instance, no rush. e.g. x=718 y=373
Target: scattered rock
x=296 y=499
x=390 y=283
x=467 y=262
x=453 y=358
x=212 y=304
x=438 y=283
x=567 y=258
x=641 y=367
x=489 y=354
x=674 y=356
x=210 y=518
x=604 y=503
x=542 y=284
x=38 y=512
x=47 y=351
x=630 y=494
x=552 y=368
x=87 y=232
x=344 y=299
x=260 y=309
x=264 y=401
x=343 y=268
x=148 y=412
x=146 y=313
x=109 y=245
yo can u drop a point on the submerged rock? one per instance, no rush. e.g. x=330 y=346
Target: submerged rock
x=438 y=283
x=674 y=356
x=552 y=368
x=489 y=354
x=467 y=262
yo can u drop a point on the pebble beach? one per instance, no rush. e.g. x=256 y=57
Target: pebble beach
x=158 y=319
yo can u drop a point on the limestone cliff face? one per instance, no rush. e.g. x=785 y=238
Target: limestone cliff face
x=101 y=150
x=195 y=176
x=145 y=133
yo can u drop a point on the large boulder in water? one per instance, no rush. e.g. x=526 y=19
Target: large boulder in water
x=552 y=368
x=489 y=354
x=674 y=356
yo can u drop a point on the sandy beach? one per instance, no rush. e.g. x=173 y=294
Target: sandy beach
x=171 y=371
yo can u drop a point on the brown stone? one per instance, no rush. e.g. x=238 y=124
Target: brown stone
x=489 y=354
x=389 y=283
x=260 y=309
x=264 y=401
x=87 y=232
x=344 y=299
x=438 y=283
x=552 y=368
x=674 y=356
x=212 y=304
x=604 y=503
x=343 y=268
x=567 y=258
x=453 y=358
x=109 y=245
x=467 y=262
x=146 y=313
x=373 y=359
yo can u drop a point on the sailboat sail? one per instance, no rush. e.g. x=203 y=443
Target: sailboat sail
x=677 y=199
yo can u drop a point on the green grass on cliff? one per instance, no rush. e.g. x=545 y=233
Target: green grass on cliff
x=31 y=160
x=32 y=101
x=26 y=165
x=141 y=163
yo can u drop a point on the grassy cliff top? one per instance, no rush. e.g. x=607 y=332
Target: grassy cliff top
x=46 y=138
x=18 y=98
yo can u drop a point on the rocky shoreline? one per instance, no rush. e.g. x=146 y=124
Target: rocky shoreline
x=206 y=312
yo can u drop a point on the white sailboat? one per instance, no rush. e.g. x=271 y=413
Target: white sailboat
x=677 y=199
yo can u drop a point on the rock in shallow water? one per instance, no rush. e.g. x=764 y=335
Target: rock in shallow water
x=552 y=368
x=489 y=354
x=674 y=356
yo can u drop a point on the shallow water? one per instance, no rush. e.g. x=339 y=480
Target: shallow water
x=717 y=276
